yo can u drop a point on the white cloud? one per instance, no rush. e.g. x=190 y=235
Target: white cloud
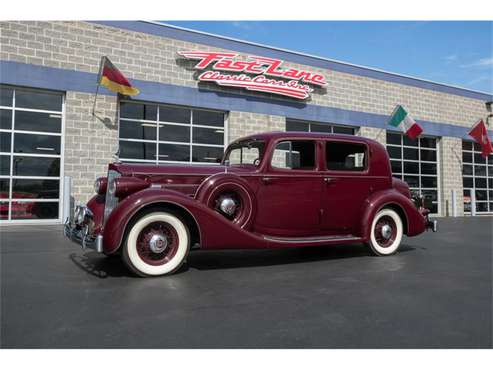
x=241 y=25
x=450 y=58
x=483 y=62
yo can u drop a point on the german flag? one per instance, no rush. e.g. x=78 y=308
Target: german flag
x=111 y=78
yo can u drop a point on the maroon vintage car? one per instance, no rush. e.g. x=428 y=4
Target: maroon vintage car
x=271 y=190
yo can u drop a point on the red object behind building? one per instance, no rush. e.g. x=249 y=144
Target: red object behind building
x=480 y=134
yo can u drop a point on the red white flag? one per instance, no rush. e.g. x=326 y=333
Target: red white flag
x=480 y=134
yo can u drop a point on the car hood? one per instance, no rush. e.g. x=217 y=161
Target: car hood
x=129 y=169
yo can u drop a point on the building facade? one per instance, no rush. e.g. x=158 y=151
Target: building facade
x=49 y=131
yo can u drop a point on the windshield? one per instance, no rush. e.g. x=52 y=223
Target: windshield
x=248 y=152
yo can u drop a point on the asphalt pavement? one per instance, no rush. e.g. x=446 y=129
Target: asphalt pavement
x=435 y=293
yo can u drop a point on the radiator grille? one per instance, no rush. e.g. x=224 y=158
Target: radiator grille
x=110 y=201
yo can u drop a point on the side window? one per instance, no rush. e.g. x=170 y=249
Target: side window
x=345 y=156
x=295 y=155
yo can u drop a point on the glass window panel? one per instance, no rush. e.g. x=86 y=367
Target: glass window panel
x=410 y=153
x=428 y=168
x=429 y=182
x=208 y=136
x=38 y=100
x=138 y=111
x=5 y=141
x=411 y=167
x=4 y=188
x=477 y=147
x=480 y=182
x=35 y=121
x=36 y=166
x=138 y=130
x=208 y=118
x=466 y=145
x=467 y=169
x=174 y=114
x=41 y=144
x=30 y=188
x=428 y=155
x=320 y=128
x=345 y=156
x=490 y=194
x=434 y=208
x=175 y=133
x=393 y=138
x=174 y=152
x=479 y=159
x=412 y=181
x=296 y=126
x=394 y=152
x=206 y=154
x=34 y=210
x=408 y=141
x=432 y=194
x=343 y=130
x=4 y=210
x=466 y=157
x=6 y=96
x=4 y=165
x=137 y=150
x=490 y=183
x=396 y=166
x=490 y=171
x=428 y=142
x=6 y=119
x=480 y=170
x=481 y=207
x=468 y=182
x=491 y=206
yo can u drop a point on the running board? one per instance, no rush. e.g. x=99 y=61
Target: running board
x=314 y=239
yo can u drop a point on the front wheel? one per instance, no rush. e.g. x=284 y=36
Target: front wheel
x=157 y=244
x=386 y=232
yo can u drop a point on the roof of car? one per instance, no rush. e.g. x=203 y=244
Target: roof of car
x=273 y=135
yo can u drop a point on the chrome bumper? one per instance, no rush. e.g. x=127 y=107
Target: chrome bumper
x=80 y=235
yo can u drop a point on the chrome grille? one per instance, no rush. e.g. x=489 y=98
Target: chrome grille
x=110 y=201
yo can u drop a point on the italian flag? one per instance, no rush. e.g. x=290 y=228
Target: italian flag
x=400 y=118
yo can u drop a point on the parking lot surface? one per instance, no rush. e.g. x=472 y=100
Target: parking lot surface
x=435 y=293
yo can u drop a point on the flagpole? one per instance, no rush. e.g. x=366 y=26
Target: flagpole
x=101 y=63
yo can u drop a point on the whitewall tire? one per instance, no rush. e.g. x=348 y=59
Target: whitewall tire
x=156 y=244
x=386 y=232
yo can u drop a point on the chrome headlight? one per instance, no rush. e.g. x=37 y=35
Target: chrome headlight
x=100 y=185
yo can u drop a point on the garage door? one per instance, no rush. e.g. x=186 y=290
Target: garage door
x=30 y=155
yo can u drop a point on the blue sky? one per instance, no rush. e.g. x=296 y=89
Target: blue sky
x=456 y=53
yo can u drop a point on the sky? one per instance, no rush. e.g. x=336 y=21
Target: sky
x=457 y=53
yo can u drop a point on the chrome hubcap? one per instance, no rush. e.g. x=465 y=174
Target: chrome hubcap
x=227 y=206
x=158 y=243
x=386 y=232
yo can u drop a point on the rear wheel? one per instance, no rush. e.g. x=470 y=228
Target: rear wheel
x=156 y=244
x=386 y=232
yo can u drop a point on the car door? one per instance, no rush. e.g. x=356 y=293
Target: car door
x=289 y=193
x=347 y=185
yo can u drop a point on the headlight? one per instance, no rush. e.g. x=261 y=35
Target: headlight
x=100 y=185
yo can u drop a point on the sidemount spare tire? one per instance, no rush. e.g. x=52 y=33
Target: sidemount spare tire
x=232 y=190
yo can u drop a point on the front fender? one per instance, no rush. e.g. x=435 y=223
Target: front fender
x=215 y=231
x=414 y=222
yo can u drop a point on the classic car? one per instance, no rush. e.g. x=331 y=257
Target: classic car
x=270 y=190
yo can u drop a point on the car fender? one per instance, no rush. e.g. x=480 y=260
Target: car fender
x=414 y=222
x=215 y=231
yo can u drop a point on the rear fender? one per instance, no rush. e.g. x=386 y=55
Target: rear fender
x=414 y=222
x=215 y=231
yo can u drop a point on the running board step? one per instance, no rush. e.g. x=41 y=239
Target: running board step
x=313 y=239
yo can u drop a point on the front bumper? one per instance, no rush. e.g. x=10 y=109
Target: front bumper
x=79 y=231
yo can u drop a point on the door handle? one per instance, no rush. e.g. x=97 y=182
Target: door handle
x=328 y=180
x=267 y=180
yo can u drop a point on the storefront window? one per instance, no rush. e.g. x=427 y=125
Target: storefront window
x=477 y=178
x=30 y=154
x=309 y=126
x=416 y=162
x=167 y=134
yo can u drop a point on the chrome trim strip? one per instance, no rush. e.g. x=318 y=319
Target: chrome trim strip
x=316 y=239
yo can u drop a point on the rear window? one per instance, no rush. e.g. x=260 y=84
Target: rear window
x=345 y=156
x=294 y=155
